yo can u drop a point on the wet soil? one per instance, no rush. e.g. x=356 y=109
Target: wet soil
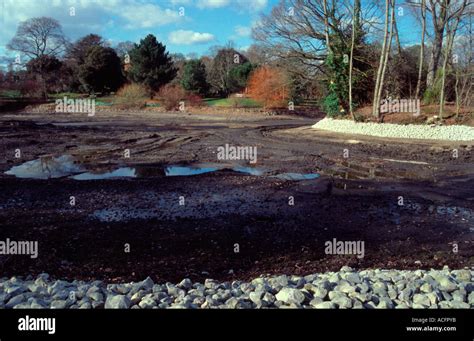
x=411 y=202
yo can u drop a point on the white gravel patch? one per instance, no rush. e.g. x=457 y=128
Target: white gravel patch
x=347 y=288
x=409 y=131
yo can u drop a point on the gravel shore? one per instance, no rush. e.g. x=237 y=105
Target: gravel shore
x=347 y=288
x=409 y=131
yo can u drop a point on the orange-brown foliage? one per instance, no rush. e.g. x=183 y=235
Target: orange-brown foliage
x=269 y=86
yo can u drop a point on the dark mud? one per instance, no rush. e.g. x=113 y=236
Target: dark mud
x=192 y=226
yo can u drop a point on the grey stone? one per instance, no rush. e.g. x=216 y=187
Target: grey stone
x=290 y=295
x=345 y=287
x=426 y=287
x=37 y=303
x=280 y=280
x=147 y=303
x=185 y=284
x=463 y=275
x=15 y=300
x=459 y=295
x=315 y=301
x=325 y=305
x=147 y=283
x=459 y=305
x=59 y=304
x=470 y=298
x=421 y=299
x=256 y=296
x=175 y=291
x=406 y=294
x=352 y=278
x=96 y=296
x=340 y=299
x=320 y=293
x=269 y=298
x=446 y=283
x=117 y=302
x=237 y=303
x=385 y=303
x=97 y=304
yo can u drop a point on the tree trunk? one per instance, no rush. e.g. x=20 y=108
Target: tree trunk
x=326 y=26
x=387 y=43
x=355 y=27
x=387 y=53
x=450 y=35
x=439 y=24
x=376 y=103
x=422 y=48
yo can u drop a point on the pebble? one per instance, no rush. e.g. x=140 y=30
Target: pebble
x=410 y=131
x=348 y=288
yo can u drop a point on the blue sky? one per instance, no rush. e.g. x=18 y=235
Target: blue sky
x=205 y=23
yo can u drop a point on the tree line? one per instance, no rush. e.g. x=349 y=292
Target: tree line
x=90 y=65
x=350 y=53
x=347 y=53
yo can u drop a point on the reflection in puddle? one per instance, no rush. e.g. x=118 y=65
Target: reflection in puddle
x=66 y=166
x=187 y=171
x=297 y=176
x=125 y=172
x=249 y=170
x=46 y=167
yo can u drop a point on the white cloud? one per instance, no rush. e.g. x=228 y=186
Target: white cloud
x=185 y=37
x=242 y=31
x=252 y=5
x=90 y=16
x=212 y=3
x=181 y=2
x=249 y=5
x=147 y=15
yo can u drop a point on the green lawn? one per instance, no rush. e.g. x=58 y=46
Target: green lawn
x=10 y=93
x=232 y=102
x=61 y=95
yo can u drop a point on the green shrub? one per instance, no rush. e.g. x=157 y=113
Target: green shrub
x=131 y=96
x=171 y=95
x=432 y=94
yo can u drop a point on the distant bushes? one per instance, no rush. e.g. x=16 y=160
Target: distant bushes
x=194 y=100
x=269 y=86
x=174 y=97
x=132 y=96
x=171 y=95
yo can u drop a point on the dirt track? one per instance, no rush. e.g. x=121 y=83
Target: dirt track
x=356 y=198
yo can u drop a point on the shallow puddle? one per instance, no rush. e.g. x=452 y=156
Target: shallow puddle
x=188 y=171
x=49 y=167
x=297 y=176
x=125 y=172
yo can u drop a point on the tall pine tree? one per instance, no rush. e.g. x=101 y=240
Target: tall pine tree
x=151 y=64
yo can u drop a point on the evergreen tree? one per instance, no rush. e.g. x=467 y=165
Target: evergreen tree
x=151 y=65
x=102 y=70
x=194 y=77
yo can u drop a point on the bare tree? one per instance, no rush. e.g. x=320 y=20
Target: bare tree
x=452 y=23
x=37 y=37
x=386 y=45
x=355 y=27
x=438 y=12
x=422 y=48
